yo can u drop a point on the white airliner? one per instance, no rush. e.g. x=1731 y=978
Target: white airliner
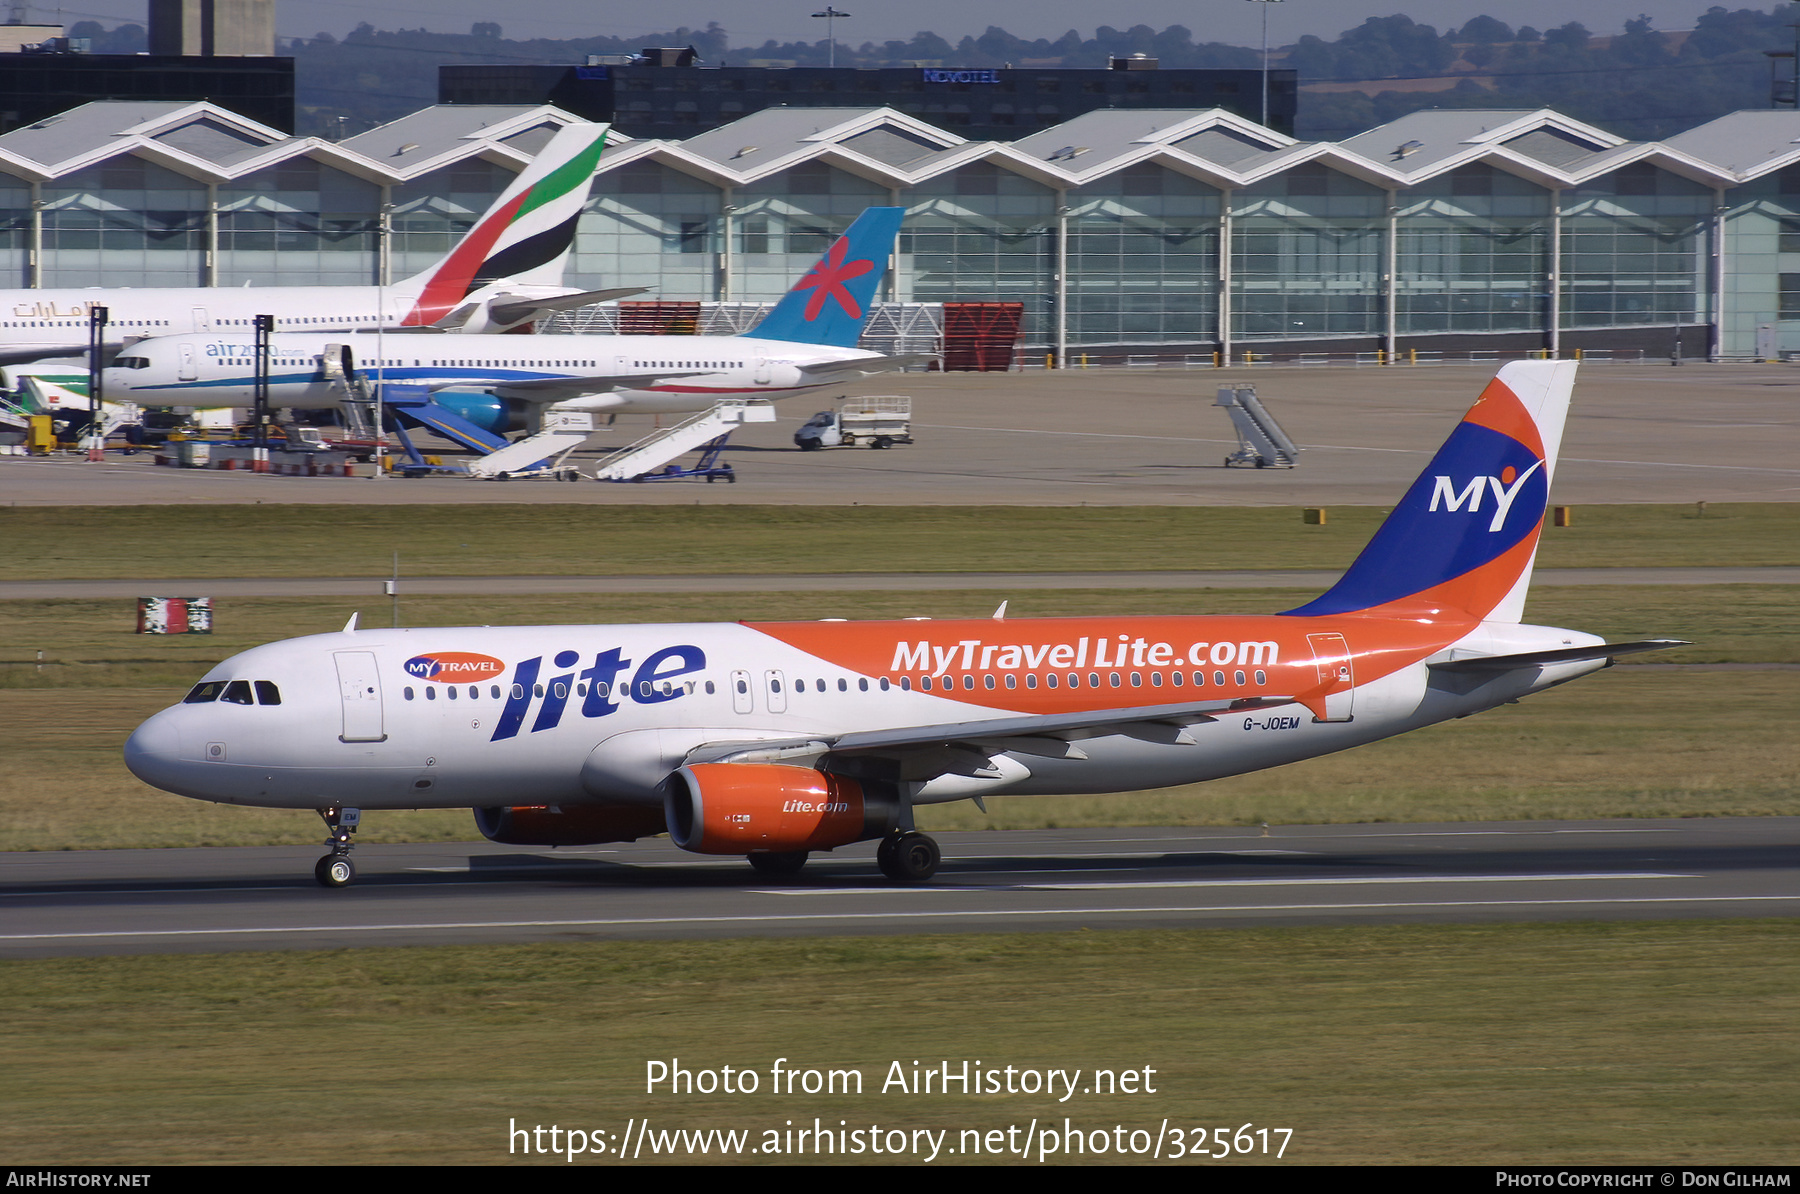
x=806 y=341
x=507 y=270
x=771 y=740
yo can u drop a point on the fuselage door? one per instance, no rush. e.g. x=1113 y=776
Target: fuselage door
x=186 y=368
x=776 y=685
x=360 y=684
x=741 y=696
x=1337 y=670
x=202 y=320
x=762 y=375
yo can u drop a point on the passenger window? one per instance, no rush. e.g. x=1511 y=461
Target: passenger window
x=409 y=692
x=267 y=693
x=204 y=692
x=237 y=692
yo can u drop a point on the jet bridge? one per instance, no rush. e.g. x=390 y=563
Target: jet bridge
x=1261 y=441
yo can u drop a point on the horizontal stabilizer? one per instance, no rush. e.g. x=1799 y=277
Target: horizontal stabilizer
x=26 y=356
x=867 y=366
x=1507 y=663
x=511 y=309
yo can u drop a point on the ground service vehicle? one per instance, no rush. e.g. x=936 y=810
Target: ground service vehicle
x=877 y=421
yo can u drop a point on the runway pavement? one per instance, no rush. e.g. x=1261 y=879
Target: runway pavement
x=1637 y=433
x=156 y=901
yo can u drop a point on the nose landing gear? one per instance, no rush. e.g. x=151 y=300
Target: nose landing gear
x=336 y=869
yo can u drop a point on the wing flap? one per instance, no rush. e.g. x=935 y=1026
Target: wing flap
x=1056 y=731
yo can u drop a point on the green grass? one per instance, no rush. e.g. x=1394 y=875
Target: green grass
x=1636 y=1043
x=74 y=542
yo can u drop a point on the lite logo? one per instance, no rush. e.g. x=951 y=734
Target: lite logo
x=1506 y=488
x=453 y=667
x=600 y=687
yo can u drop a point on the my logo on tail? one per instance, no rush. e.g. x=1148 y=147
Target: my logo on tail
x=1506 y=488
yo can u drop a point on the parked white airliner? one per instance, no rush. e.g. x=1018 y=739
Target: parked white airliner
x=505 y=271
x=806 y=341
x=775 y=739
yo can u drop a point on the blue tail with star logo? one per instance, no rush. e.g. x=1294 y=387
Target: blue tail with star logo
x=832 y=302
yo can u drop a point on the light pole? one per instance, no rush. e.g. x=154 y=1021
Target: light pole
x=1265 y=56
x=831 y=15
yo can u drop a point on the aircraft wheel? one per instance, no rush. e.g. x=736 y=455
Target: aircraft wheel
x=335 y=870
x=908 y=857
x=778 y=863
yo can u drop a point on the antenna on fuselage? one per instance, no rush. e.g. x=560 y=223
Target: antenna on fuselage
x=350 y=626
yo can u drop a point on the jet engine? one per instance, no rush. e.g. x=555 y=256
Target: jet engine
x=568 y=825
x=745 y=808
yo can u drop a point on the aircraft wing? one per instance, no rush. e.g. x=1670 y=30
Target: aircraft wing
x=1163 y=723
x=1524 y=659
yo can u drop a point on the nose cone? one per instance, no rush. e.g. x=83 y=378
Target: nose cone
x=153 y=752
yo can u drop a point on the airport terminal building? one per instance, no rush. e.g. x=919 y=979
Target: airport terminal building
x=1149 y=234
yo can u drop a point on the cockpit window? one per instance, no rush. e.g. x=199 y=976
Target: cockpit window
x=267 y=693
x=237 y=692
x=203 y=692
x=131 y=363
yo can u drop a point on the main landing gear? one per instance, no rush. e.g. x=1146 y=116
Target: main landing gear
x=908 y=856
x=336 y=869
x=905 y=856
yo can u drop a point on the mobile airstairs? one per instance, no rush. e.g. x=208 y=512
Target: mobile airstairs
x=1261 y=441
x=649 y=458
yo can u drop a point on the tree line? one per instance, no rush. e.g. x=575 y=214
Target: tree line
x=1636 y=82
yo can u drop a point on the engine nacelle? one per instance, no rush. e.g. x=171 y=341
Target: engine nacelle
x=745 y=808
x=568 y=825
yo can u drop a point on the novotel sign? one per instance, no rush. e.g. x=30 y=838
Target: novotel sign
x=936 y=75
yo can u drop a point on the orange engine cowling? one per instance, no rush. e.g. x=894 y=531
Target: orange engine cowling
x=569 y=824
x=744 y=808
